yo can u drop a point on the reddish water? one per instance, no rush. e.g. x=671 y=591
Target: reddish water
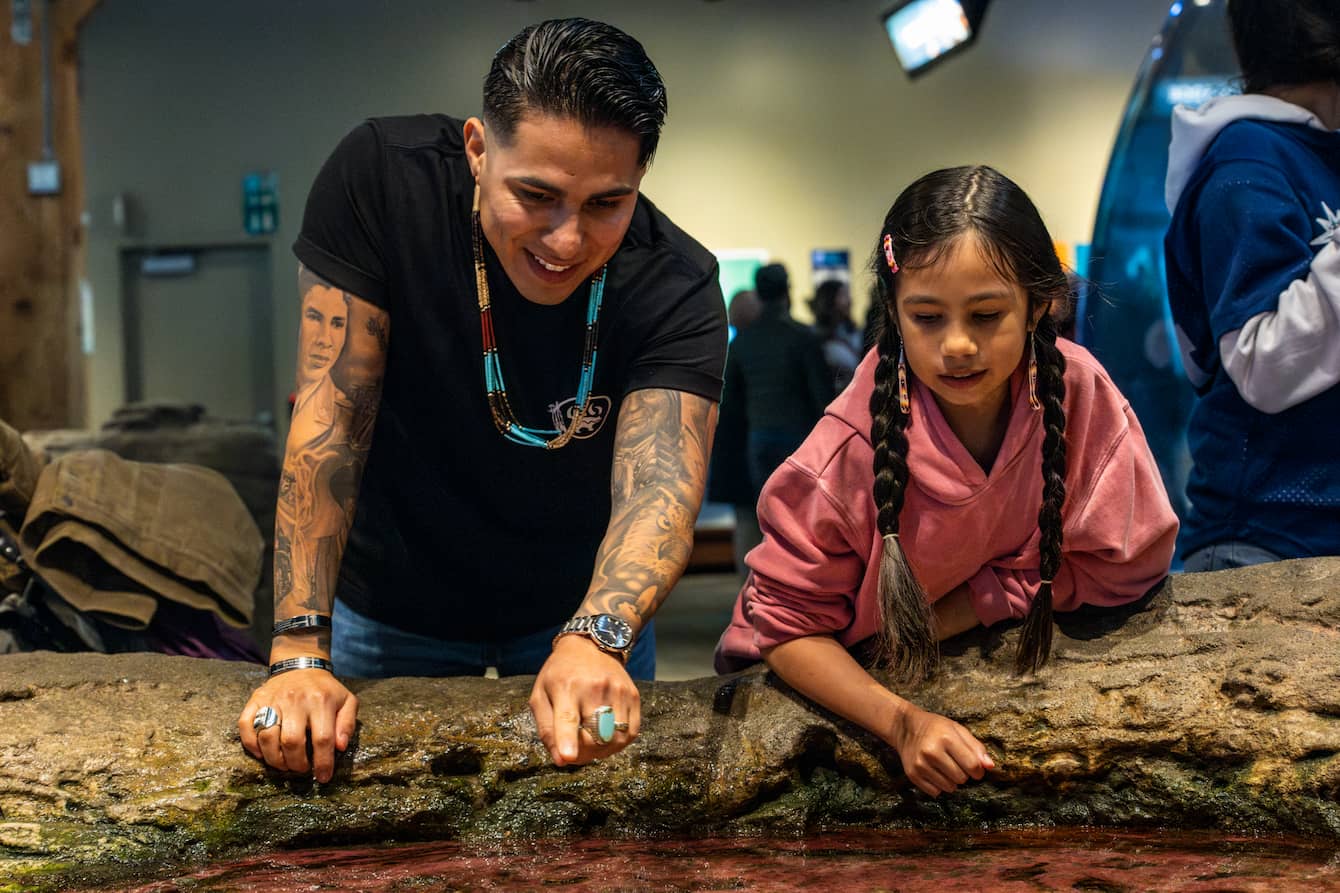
x=1094 y=861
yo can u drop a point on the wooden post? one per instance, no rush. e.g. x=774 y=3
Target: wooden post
x=42 y=368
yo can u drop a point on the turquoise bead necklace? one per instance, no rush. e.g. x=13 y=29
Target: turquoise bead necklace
x=504 y=419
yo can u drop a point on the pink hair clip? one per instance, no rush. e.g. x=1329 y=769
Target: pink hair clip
x=888 y=253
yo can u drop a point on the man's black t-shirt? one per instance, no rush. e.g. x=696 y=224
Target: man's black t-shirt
x=460 y=533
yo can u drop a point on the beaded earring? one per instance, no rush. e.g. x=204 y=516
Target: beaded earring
x=904 y=403
x=1033 y=371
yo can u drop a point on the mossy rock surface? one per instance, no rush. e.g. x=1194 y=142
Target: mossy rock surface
x=1213 y=704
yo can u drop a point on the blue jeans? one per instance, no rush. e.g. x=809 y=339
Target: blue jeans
x=368 y=649
x=1233 y=553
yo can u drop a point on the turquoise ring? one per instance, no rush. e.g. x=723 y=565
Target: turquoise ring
x=601 y=725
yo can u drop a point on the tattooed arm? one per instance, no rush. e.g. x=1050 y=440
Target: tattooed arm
x=330 y=434
x=661 y=449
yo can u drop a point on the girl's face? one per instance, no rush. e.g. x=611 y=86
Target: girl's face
x=964 y=330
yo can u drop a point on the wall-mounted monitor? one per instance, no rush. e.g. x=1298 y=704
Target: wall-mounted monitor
x=924 y=32
x=830 y=263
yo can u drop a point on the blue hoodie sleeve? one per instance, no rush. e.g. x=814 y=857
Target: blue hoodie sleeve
x=1253 y=241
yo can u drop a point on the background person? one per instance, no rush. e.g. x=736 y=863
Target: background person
x=777 y=385
x=842 y=340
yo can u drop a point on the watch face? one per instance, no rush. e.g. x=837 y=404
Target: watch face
x=611 y=632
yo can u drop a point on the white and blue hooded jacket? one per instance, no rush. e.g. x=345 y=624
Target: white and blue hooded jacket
x=1253 y=261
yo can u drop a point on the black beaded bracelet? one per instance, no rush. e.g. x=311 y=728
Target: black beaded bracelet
x=301 y=663
x=301 y=622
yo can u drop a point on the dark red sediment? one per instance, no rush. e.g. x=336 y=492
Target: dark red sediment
x=1092 y=860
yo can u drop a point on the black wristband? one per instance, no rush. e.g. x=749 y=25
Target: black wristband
x=301 y=622
x=301 y=663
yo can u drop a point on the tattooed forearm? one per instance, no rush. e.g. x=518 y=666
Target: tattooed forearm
x=660 y=470
x=329 y=438
x=315 y=510
x=283 y=561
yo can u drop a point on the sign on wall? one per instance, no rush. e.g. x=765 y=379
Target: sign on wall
x=260 y=203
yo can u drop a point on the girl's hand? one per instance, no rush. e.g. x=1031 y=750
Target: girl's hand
x=938 y=754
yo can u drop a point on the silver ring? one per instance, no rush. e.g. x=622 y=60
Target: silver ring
x=266 y=718
x=601 y=724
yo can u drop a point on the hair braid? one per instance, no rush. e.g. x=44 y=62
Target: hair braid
x=907 y=644
x=1036 y=639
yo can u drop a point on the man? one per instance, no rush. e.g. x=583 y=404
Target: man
x=777 y=385
x=530 y=376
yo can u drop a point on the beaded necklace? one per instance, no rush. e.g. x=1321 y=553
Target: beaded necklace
x=503 y=417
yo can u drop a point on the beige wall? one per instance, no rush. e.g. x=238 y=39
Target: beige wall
x=791 y=126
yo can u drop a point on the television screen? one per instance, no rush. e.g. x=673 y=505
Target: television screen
x=925 y=31
x=830 y=263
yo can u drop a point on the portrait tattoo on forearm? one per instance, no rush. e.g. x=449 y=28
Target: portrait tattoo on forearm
x=660 y=469
x=330 y=434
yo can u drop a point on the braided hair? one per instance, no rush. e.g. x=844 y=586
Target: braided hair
x=925 y=221
x=907 y=643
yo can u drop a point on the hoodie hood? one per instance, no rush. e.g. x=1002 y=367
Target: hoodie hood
x=1193 y=130
x=946 y=471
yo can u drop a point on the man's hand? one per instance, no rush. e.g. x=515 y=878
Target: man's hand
x=307 y=701
x=576 y=679
x=329 y=438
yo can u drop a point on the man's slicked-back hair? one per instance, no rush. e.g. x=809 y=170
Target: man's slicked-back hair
x=580 y=69
x=1282 y=43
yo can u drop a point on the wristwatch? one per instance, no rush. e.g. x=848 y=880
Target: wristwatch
x=610 y=634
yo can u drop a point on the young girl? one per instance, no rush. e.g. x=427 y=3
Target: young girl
x=977 y=469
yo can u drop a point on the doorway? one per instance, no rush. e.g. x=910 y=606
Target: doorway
x=199 y=328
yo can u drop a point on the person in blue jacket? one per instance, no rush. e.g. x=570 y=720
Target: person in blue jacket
x=1253 y=265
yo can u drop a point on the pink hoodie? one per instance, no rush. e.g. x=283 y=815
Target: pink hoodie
x=817 y=570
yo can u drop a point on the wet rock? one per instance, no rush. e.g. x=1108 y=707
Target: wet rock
x=1213 y=704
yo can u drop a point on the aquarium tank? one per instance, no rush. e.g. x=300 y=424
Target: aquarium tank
x=1123 y=315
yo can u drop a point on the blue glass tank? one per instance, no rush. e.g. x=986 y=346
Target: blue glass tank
x=1123 y=315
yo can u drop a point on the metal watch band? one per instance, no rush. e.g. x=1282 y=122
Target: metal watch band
x=584 y=623
x=581 y=626
x=302 y=621
x=301 y=663
x=621 y=655
x=578 y=624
